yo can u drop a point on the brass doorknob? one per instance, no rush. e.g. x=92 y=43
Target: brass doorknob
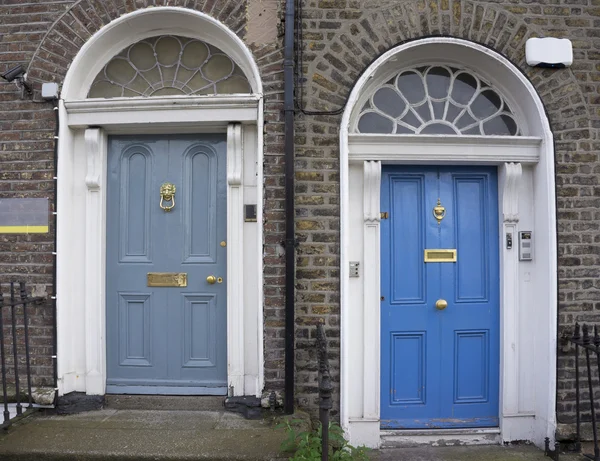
x=441 y=304
x=211 y=279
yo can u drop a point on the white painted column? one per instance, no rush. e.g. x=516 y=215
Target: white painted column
x=235 y=273
x=371 y=279
x=94 y=302
x=510 y=174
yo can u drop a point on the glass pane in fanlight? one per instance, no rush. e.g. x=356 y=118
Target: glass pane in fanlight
x=389 y=102
x=153 y=75
x=168 y=50
x=198 y=82
x=105 y=90
x=464 y=120
x=139 y=85
x=438 y=128
x=464 y=88
x=142 y=56
x=411 y=86
x=183 y=74
x=411 y=119
x=487 y=103
x=473 y=131
x=218 y=67
x=424 y=112
x=452 y=112
x=511 y=123
x=234 y=84
x=120 y=71
x=438 y=109
x=194 y=54
x=438 y=82
x=168 y=92
x=401 y=129
x=209 y=89
x=375 y=123
x=502 y=125
x=168 y=74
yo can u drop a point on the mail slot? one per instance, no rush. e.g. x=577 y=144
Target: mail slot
x=440 y=256
x=167 y=279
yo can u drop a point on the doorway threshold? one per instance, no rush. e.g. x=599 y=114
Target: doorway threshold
x=405 y=438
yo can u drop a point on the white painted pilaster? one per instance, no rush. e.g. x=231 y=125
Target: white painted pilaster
x=510 y=174
x=95 y=147
x=370 y=273
x=235 y=246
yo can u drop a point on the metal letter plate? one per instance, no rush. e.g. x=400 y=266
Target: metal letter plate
x=440 y=256
x=167 y=279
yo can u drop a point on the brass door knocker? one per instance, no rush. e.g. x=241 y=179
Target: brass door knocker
x=167 y=194
x=439 y=212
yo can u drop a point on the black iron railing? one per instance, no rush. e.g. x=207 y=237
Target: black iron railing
x=325 y=391
x=14 y=341
x=589 y=344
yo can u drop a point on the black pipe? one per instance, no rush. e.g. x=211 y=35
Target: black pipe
x=290 y=240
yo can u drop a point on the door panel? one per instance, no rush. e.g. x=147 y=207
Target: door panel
x=439 y=368
x=166 y=339
x=136 y=167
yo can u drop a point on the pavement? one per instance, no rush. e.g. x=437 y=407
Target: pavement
x=123 y=434
x=127 y=435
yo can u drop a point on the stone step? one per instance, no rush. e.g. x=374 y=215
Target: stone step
x=164 y=402
x=142 y=435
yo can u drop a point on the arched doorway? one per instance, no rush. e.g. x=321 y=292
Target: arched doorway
x=448 y=126
x=179 y=79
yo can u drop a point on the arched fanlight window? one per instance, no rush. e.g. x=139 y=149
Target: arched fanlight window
x=437 y=100
x=167 y=66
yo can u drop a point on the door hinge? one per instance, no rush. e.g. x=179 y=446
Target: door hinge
x=384 y=215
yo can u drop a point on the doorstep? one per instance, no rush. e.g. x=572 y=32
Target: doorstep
x=126 y=435
x=520 y=452
x=406 y=438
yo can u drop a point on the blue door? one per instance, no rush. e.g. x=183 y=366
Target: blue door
x=439 y=319
x=166 y=265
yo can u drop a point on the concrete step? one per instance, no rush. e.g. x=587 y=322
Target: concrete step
x=142 y=435
x=164 y=402
x=408 y=438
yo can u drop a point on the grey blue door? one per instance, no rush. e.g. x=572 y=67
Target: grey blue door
x=439 y=309
x=166 y=339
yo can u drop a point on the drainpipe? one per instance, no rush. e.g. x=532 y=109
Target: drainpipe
x=290 y=240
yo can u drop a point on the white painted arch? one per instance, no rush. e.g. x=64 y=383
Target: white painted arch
x=527 y=202
x=150 y=22
x=85 y=125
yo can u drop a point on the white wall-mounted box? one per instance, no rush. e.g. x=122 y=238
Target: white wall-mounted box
x=549 y=52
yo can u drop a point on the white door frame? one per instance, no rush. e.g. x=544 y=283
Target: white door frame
x=528 y=289
x=81 y=221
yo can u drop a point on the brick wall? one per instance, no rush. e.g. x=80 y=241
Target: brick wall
x=341 y=38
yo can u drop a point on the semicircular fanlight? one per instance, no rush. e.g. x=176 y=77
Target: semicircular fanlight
x=169 y=65
x=437 y=99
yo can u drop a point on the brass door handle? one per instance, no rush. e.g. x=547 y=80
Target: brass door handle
x=211 y=279
x=441 y=304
